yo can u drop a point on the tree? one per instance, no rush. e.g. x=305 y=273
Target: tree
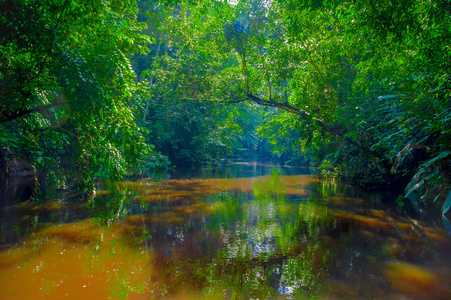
x=67 y=88
x=188 y=132
x=368 y=89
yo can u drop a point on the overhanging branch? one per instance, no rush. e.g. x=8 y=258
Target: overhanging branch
x=304 y=115
x=294 y=110
x=20 y=113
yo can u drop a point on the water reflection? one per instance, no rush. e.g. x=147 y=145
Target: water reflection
x=77 y=261
x=278 y=236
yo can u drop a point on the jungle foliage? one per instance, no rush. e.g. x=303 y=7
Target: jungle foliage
x=68 y=95
x=362 y=88
x=366 y=84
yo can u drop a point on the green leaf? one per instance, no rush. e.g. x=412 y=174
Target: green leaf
x=436 y=197
x=412 y=187
x=400 y=200
x=386 y=97
x=439 y=157
x=447 y=204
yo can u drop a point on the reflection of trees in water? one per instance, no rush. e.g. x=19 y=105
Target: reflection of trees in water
x=269 y=244
x=264 y=249
x=277 y=235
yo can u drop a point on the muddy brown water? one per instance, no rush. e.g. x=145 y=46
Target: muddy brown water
x=244 y=231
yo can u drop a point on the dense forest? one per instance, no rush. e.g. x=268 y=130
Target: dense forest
x=95 y=89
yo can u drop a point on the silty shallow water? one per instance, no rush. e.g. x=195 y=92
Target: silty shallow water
x=248 y=230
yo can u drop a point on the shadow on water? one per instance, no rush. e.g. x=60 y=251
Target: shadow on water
x=281 y=234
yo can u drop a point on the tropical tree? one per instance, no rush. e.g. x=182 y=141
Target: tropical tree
x=67 y=89
x=393 y=71
x=366 y=84
x=188 y=130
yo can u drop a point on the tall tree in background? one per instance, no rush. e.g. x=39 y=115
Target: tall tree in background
x=180 y=125
x=366 y=84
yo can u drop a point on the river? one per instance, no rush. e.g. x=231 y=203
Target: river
x=243 y=231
